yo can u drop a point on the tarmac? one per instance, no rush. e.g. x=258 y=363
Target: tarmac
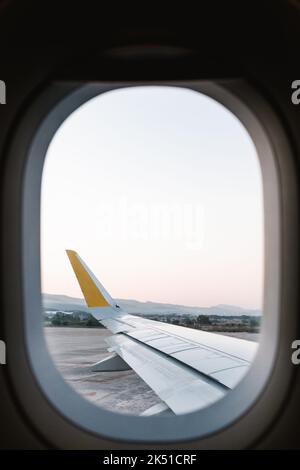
x=75 y=350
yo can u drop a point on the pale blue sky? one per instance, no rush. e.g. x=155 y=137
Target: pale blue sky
x=159 y=191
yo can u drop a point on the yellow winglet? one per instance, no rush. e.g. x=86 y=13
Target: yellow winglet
x=91 y=291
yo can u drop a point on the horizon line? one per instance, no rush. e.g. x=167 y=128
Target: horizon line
x=163 y=303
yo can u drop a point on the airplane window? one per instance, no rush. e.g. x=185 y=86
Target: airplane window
x=152 y=250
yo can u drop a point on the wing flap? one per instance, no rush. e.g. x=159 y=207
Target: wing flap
x=197 y=351
x=181 y=388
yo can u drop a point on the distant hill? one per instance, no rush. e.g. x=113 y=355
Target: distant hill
x=65 y=303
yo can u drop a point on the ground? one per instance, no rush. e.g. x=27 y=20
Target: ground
x=74 y=350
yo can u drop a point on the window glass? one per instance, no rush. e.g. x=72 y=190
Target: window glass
x=158 y=190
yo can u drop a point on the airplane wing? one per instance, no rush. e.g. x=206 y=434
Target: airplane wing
x=188 y=369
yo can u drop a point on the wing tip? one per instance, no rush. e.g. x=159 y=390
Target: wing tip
x=71 y=252
x=93 y=292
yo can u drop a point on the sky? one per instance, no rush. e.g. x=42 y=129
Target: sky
x=159 y=191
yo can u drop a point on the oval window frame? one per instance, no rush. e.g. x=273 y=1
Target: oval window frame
x=33 y=138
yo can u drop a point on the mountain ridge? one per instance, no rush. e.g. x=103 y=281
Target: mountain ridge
x=65 y=302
